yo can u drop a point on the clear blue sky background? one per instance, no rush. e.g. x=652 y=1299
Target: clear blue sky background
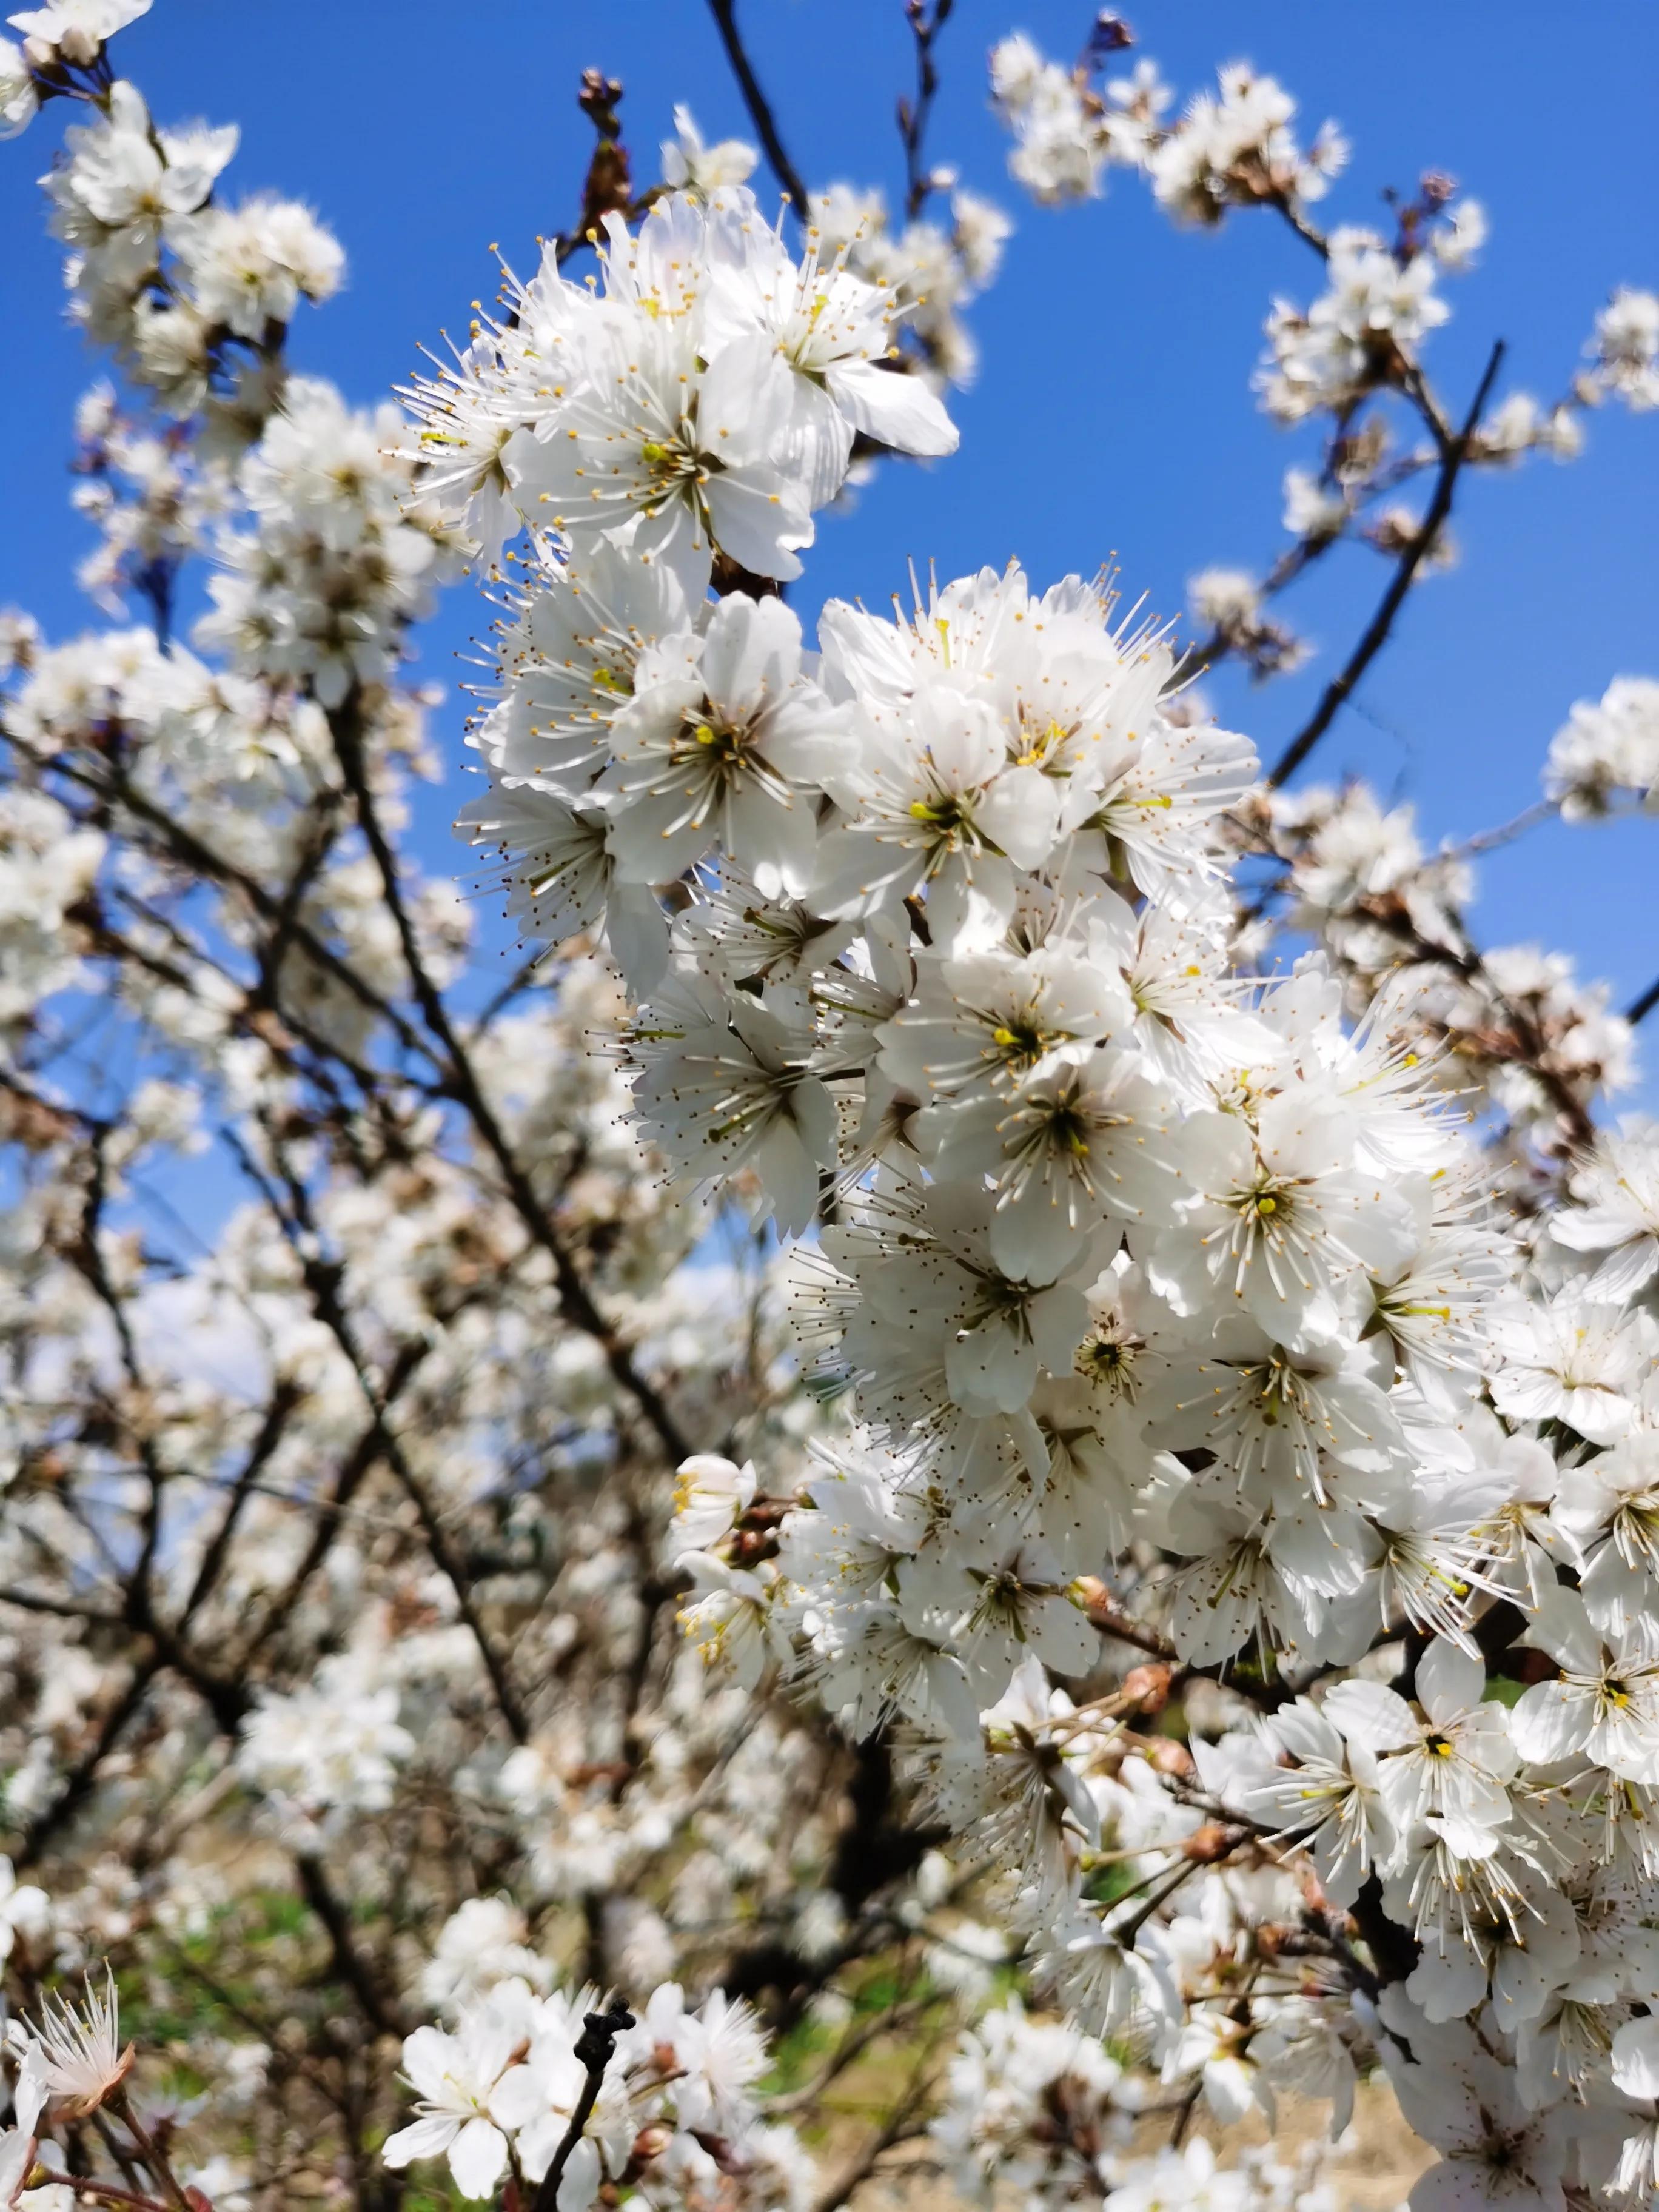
x=1112 y=412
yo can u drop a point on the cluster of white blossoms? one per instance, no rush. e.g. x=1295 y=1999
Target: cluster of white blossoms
x=1624 y=349
x=1379 y=303
x=335 y=1744
x=929 y=269
x=192 y=296
x=1034 y=2106
x=1160 y=1306
x=47 y=864
x=1229 y=148
x=676 y=2116
x=336 y=562
x=704 y=399
x=1607 y=748
x=1068 y=1511
x=1360 y=340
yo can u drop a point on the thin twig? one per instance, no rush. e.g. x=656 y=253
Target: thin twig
x=913 y=114
x=759 y=109
x=1505 y=833
x=1377 y=631
x=607 y=187
x=594 y=2048
x=155 y=2158
x=576 y=1301
x=1105 y=1616
x=895 y=2130
x=298 y=1228
x=381 y=2010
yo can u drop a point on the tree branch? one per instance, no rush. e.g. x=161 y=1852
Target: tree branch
x=760 y=110
x=1338 y=691
x=913 y=114
x=381 y=2012
x=594 y=2048
x=575 y=1299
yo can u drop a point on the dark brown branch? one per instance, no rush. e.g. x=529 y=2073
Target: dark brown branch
x=1643 y=1004
x=760 y=110
x=594 y=2048
x=1341 y=688
x=60 y=1608
x=608 y=188
x=1105 y=1616
x=78 y=1782
x=187 y=848
x=378 y=2010
x=283 y=1400
x=576 y=1301
x=914 y=114
x=322 y=1286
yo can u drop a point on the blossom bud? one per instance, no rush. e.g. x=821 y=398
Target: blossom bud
x=1148 y=1689
x=1210 y=1842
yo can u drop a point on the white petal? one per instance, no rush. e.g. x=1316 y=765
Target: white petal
x=1550 y=1721
x=892 y=406
x=477 y=2158
x=425 y=2138
x=1636 y=2056
x=1448 y=1681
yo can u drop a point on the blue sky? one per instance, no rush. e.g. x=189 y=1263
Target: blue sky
x=1112 y=413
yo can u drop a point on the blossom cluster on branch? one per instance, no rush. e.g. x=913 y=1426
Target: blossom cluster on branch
x=902 y=1462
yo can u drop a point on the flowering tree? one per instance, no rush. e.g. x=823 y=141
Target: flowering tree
x=908 y=1459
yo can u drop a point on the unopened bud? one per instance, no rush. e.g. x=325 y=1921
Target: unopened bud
x=1110 y=35
x=1210 y=1842
x=1168 y=1757
x=1148 y=1687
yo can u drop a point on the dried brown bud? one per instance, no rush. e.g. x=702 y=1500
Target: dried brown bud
x=1168 y=1756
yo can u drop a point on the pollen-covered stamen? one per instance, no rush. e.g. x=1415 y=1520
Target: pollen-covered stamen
x=1265 y=1225
x=1635 y=1531
x=667 y=458
x=1107 y=1358
x=996 y=1299
x=1002 y=1599
x=1041 y=744
x=948 y=819
x=1430 y=1579
x=1019 y=1042
x=754 y=1096
x=1272 y=1222
x=1479 y=1895
x=1270 y=1399
x=1054 y=1134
